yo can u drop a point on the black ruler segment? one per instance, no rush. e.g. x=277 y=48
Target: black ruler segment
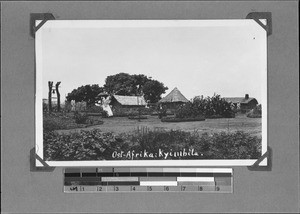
x=139 y=174
x=171 y=174
x=222 y=174
x=89 y=174
x=188 y=174
x=155 y=174
x=72 y=174
x=121 y=174
x=123 y=183
x=105 y=174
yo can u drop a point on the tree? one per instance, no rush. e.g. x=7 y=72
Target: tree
x=153 y=90
x=58 y=95
x=139 y=81
x=121 y=84
x=87 y=93
x=134 y=85
x=50 y=85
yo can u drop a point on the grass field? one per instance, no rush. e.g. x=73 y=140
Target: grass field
x=123 y=124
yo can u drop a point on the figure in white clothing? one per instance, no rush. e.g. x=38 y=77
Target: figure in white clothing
x=106 y=107
x=104 y=100
x=73 y=104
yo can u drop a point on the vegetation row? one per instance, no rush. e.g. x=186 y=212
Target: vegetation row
x=97 y=145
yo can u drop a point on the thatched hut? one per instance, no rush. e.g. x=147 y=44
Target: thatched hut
x=173 y=100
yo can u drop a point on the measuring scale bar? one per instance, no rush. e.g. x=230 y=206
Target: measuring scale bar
x=97 y=180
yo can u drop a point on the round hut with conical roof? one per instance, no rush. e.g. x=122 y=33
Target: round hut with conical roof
x=173 y=100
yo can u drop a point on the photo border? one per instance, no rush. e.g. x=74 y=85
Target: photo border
x=140 y=163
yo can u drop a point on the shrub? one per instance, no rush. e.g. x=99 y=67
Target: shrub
x=97 y=145
x=80 y=118
x=59 y=121
x=104 y=114
x=50 y=125
x=137 y=117
x=210 y=107
x=45 y=107
x=56 y=121
x=187 y=119
x=154 y=113
x=134 y=111
x=237 y=145
x=255 y=113
x=83 y=145
x=94 y=109
x=162 y=113
x=124 y=112
x=68 y=106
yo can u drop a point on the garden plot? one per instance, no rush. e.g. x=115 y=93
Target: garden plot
x=122 y=139
x=122 y=125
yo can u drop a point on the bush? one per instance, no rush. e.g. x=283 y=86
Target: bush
x=210 y=107
x=124 y=112
x=187 y=119
x=60 y=121
x=50 y=125
x=96 y=145
x=56 y=121
x=255 y=113
x=154 y=113
x=94 y=109
x=45 y=107
x=135 y=111
x=137 y=117
x=80 y=118
x=83 y=145
x=162 y=113
x=104 y=114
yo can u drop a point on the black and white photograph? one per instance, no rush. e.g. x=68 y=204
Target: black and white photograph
x=149 y=106
x=151 y=92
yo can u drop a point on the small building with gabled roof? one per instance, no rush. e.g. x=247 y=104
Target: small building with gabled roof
x=125 y=105
x=244 y=104
x=174 y=99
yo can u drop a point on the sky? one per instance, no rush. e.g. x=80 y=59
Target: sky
x=199 y=58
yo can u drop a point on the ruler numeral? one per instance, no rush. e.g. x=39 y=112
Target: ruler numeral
x=217 y=188
x=99 y=189
x=183 y=188
x=200 y=188
x=133 y=188
x=167 y=188
x=149 y=188
x=116 y=188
